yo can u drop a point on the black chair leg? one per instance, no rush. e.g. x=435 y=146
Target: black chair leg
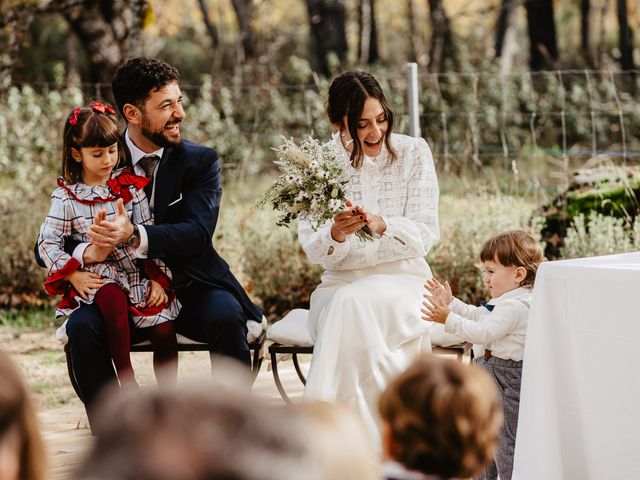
x=276 y=378
x=296 y=364
x=256 y=363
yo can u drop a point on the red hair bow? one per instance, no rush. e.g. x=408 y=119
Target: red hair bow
x=102 y=108
x=73 y=118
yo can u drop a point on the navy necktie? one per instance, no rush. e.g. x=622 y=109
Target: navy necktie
x=487 y=306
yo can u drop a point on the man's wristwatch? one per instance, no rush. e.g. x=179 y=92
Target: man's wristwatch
x=135 y=237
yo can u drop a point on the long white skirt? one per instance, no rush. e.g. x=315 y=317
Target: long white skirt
x=367 y=329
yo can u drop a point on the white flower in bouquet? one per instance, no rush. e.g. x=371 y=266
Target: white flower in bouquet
x=311 y=185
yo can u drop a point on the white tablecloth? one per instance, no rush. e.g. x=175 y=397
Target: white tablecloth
x=580 y=401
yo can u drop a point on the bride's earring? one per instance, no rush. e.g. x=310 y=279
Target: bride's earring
x=343 y=135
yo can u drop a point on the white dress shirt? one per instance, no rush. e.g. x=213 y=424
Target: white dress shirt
x=136 y=155
x=501 y=330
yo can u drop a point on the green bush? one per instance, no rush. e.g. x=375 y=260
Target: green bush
x=597 y=234
x=267 y=259
x=281 y=276
x=244 y=120
x=465 y=224
x=30 y=126
x=19 y=274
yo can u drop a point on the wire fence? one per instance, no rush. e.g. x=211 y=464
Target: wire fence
x=548 y=121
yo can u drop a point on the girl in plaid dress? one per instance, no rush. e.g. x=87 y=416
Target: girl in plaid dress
x=123 y=287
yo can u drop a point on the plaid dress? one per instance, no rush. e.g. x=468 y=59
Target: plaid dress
x=73 y=208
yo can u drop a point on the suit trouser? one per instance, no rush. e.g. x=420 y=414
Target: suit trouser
x=508 y=377
x=209 y=314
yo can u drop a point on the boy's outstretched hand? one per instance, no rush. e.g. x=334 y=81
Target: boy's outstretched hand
x=434 y=310
x=439 y=291
x=436 y=306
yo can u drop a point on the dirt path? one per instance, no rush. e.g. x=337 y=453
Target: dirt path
x=64 y=424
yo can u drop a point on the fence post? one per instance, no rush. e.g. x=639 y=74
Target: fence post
x=412 y=99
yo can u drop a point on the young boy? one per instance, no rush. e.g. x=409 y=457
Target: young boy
x=498 y=328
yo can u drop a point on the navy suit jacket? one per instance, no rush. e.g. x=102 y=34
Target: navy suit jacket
x=186 y=207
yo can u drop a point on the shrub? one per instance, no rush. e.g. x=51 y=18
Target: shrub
x=20 y=277
x=465 y=224
x=30 y=126
x=597 y=234
x=281 y=275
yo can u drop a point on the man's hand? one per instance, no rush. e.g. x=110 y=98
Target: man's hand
x=93 y=254
x=435 y=310
x=85 y=283
x=156 y=296
x=438 y=291
x=104 y=234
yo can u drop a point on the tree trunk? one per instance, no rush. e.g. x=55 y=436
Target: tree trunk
x=244 y=14
x=368 y=44
x=212 y=31
x=442 y=42
x=504 y=21
x=543 y=47
x=109 y=31
x=626 y=35
x=327 y=20
x=585 y=31
x=15 y=19
x=506 y=42
x=413 y=33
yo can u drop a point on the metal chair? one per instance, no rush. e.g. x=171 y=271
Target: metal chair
x=184 y=345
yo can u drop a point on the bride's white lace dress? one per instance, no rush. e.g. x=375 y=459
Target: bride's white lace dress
x=365 y=314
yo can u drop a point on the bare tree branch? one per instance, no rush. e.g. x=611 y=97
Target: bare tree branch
x=211 y=28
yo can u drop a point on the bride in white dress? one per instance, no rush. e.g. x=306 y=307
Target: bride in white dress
x=364 y=315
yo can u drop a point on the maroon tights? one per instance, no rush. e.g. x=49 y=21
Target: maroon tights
x=112 y=301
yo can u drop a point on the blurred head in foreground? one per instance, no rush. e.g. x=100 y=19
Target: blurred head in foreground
x=22 y=454
x=211 y=430
x=441 y=418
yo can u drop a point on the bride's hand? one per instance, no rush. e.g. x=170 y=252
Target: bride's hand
x=348 y=222
x=374 y=222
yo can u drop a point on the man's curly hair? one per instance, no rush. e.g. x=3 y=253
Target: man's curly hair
x=444 y=418
x=138 y=77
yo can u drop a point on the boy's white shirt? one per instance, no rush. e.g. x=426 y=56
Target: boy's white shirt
x=502 y=330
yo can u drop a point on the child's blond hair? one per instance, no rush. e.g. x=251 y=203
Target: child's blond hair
x=444 y=418
x=514 y=248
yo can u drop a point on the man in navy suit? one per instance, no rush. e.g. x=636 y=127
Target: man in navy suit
x=185 y=197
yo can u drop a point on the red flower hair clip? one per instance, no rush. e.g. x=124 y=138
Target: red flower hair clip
x=73 y=118
x=102 y=108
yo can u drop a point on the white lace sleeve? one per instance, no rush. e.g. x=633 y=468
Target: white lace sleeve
x=320 y=247
x=414 y=232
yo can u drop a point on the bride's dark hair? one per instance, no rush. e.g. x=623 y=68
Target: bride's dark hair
x=347 y=95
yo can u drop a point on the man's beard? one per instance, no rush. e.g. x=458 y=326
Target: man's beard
x=157 y=136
